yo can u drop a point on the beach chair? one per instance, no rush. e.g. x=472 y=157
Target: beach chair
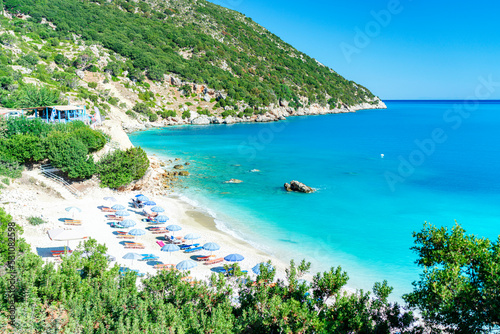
x=116 y=225
x=72 y=222
x=106 y=209
x=122 y=232
x=210 y=262
x=159 y=231
x=160 y=243
x=134 y=247
x=124 y=236
x=150 y=258
x=204 y=258
x=188 y=246
x=192 y=250
x=114 y=217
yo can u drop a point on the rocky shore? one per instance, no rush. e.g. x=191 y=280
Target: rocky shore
x=272 y=113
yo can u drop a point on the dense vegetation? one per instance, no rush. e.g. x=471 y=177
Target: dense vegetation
x=225 y=50
x=86 y=295
x=68 y=147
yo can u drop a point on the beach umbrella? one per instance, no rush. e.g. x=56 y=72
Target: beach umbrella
x=142 y=198
x=127 y=223
x=192 y=236
x=174 y=228
x=256 y=269
x=157 y=209
x=162 y=219
x=137 y=232
x=118 y=207
x=211 y=246
x=132 y=256
x=234 y=258
x=73 y=210
x=122 y=213
x=150 y=203
x=186 y=265
x=170 y=248
x=59 y=234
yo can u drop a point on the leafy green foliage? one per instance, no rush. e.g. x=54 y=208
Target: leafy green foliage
x=70 y=155
x=92 y=85
x=232 y=53
x=10 y=167
x=122 y=167
x=459 y=289
x=36 y=220
x=93 y=140
x=35 y=96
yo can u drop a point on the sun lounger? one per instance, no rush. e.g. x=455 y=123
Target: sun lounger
x=204 y=258
x=134 y=247
x=188 y=246
x=59 y=252
x=149 y=258
x=159 y=231
x=210 y=262
x=114 y=217
x=116 y=225
x=121 y=232
x=72 y=222
x=125 y=237
x=160 y=243
x=106 y=209
x=164 y=266
x=191 y=250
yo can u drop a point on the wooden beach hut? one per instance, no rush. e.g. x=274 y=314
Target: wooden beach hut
x=60 y=114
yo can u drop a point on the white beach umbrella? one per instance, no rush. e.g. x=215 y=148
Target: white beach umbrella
x=59 y=234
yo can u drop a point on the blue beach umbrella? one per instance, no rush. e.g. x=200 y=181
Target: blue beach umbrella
x=72 y=210
x=174 y=228
x=170 y=248
x=138 y=195
x=137 y=232
x=142 y=198
x=256 y=269
x=150 y=203
x=211 y=246
x=186 y=265
x=118 y=207
x=192 y=236
x=162 y=219
x=132 y=256
x=157 y=209
x=234 y=258
x=128 y=223
x=122 y=213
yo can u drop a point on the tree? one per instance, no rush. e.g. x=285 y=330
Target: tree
x=37 y=96
x=459 y=288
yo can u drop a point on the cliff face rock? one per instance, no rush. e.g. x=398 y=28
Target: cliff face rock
x=201 y=120
x=298 y=187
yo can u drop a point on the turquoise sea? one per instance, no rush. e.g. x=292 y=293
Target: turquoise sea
x=440 y=163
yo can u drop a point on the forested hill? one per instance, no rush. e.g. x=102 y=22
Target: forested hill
x=200 y=42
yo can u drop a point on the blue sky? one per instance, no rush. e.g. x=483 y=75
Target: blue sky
x=419 y=49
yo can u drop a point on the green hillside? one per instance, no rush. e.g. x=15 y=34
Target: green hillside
x=198 y=41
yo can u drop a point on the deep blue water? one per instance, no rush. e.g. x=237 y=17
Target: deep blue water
x=440 y=164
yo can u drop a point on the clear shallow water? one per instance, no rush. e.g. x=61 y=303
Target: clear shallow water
x=366 y=207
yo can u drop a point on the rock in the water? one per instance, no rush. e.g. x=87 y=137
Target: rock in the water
x=298 y=187
x=178 y=167
x=233 y=181
x=187 y=164
x=183 y=173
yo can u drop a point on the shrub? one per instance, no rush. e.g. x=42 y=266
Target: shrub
x=122 y=167
x=23 y=148
x=92 y=85
x=93 y=140
x=186 y=114
x=153 y=117
x=131 y=114
x=189 y=104
x=141 y=108
x=70 y=155
x=59 y=59
x=36 y=220
x=6 y=181
x=114 y=101
x=155 y=73
x=10 y=167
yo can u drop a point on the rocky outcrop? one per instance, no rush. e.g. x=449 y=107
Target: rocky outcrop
x=233 y=181
x=175 y=81
x=178 y=166
x=201 y=120
x=298 y=187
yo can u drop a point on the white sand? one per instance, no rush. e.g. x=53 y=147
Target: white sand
x=40 y=198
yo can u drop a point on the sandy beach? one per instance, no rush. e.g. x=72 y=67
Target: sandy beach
x=34 y=195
